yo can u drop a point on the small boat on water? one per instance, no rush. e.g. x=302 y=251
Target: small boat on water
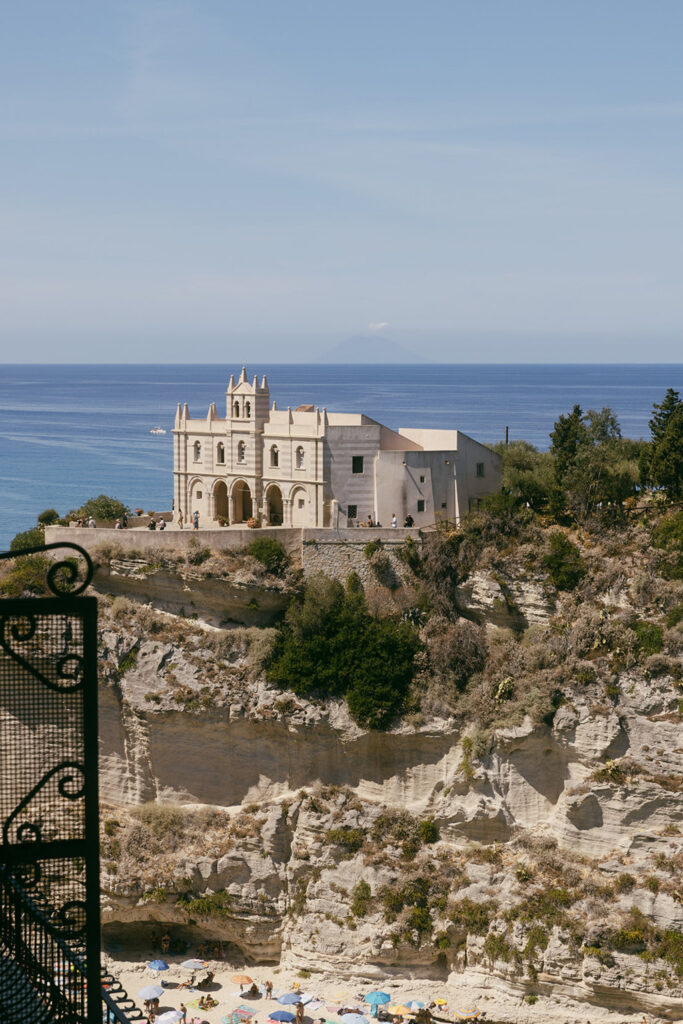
x=157 y=430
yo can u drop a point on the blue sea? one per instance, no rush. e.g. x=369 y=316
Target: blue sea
x=70 y=432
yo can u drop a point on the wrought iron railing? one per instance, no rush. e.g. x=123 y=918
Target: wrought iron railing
x=49 y=833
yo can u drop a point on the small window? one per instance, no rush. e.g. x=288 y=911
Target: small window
x=299 y=458
x=247 y=410
x=357 y=464
x=301 y=502
x=353 y=512
x=422 y=479
x=480 y=469
x=420 y=504
x=241 y=451
x=237 y=409
x=444 y=505
x=200 y=494
x=220 y=453
x=197 y=448
x=274 y=455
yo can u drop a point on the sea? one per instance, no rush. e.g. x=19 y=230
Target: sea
x=68 y=433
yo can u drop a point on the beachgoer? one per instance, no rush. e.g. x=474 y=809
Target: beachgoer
x=124 y=521
x=202 y=1002
x=162 y=524
x=195 y=520
x=299 y=1013
x=165 y=942
x=253 y=991
x=370 y=522
x=269 y=989
x=91 y=523
x=117 y=525
x=183 y=1010
x=394 y=521
x=408 y=521
x=151 y=525
x=180 y=519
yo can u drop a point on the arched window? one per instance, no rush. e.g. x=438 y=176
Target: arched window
x=197 y=448
x=241 y=451
x=248 y=410
x=274 y=455
x=299 y=458
x=237 y=409
x=220 y=453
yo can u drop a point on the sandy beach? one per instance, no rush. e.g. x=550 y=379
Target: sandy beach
x=329 y=994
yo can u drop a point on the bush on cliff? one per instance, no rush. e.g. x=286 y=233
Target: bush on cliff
x=101 y=507
x=330 y=646
x=270 y=553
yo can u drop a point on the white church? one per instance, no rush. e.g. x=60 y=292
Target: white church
x=306 y=467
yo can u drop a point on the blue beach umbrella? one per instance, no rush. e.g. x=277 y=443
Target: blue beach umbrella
x=157 y=965
x=193 y=965
x=151 y=992
x=467 y=1012
x=283 y=1015
x=414 y=1004
x=289 y=997
x=376 y=999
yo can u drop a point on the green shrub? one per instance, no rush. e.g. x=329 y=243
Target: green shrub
x=668 y=533
x=330 y=646
x=360 y=899
x=674 y=616
x=350 y=839
x=497 y=948
x=157 y=895
x=419 y=920
x=48 y=517
x=548 y=906
x=32 y=538
x=213 y=904
x=531 y=999
x=166 y=822
x=429 y=833
x=101 y=507
x=372 y=547
x=270 y=553
x=564 y=562
x=650 y=636
x=472 y=917
x=625 y=882
x=27 y=577
x=537 y=938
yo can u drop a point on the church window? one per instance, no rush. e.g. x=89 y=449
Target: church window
x=422 y=479
x=420 y=505
x=237 y=409
x=248 y=410
x=197 y=449
x=444 y=504
x=241 y=452
x=220 y=453
x=274 y=455
x=353 y=512
x=299 y=458
x=357 y=464
x=480 y=469
x=302 y=502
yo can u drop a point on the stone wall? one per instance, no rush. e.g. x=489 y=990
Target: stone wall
x=156 y=542
x=338 y=553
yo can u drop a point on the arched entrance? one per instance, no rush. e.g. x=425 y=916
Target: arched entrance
x=274 y=505
x=241 y=496
x=300 y=516
x=220 y=501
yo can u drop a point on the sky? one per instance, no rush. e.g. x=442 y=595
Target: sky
x=468 y=180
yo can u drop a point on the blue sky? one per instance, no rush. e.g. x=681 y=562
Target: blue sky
x=215 y=180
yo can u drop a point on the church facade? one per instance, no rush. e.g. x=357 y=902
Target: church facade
x=306 y=467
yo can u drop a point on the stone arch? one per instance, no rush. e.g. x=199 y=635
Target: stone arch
x=241 y=502
x=221 y=504
x=300 y=507
x=274 y=505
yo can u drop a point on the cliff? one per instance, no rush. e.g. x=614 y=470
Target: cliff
x=520 y=828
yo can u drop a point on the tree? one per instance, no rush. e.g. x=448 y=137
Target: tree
x=527 y=473
x=662 y=413
x=566 y=438
x=32 y=538
x=666 y=466
x=101 y=507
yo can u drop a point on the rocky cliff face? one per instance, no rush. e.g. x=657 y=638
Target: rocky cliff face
x=541 y=854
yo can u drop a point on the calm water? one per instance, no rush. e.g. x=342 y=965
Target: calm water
x=70 y=432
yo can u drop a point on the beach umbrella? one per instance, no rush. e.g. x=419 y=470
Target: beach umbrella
x=377 y=997
x=194 y=965
x=414 y=1004
x=170 y=1017
x=282 y=1015
x=467 y=1012
x=441 y=1002
x=290 y=997
x=353 y=1018
x=157 y=965
x=151 y=992
x=399 y=1010
x=241 y=980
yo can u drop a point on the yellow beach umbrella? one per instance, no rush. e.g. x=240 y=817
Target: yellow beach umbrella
x=400 y=1010
x=441 y=1002
x=467 y=1012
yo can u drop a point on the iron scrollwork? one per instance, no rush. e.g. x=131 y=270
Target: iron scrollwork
x=62 y=575
x=68 y=786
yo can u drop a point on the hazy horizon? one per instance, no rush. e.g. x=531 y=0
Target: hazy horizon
x=474 y=182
